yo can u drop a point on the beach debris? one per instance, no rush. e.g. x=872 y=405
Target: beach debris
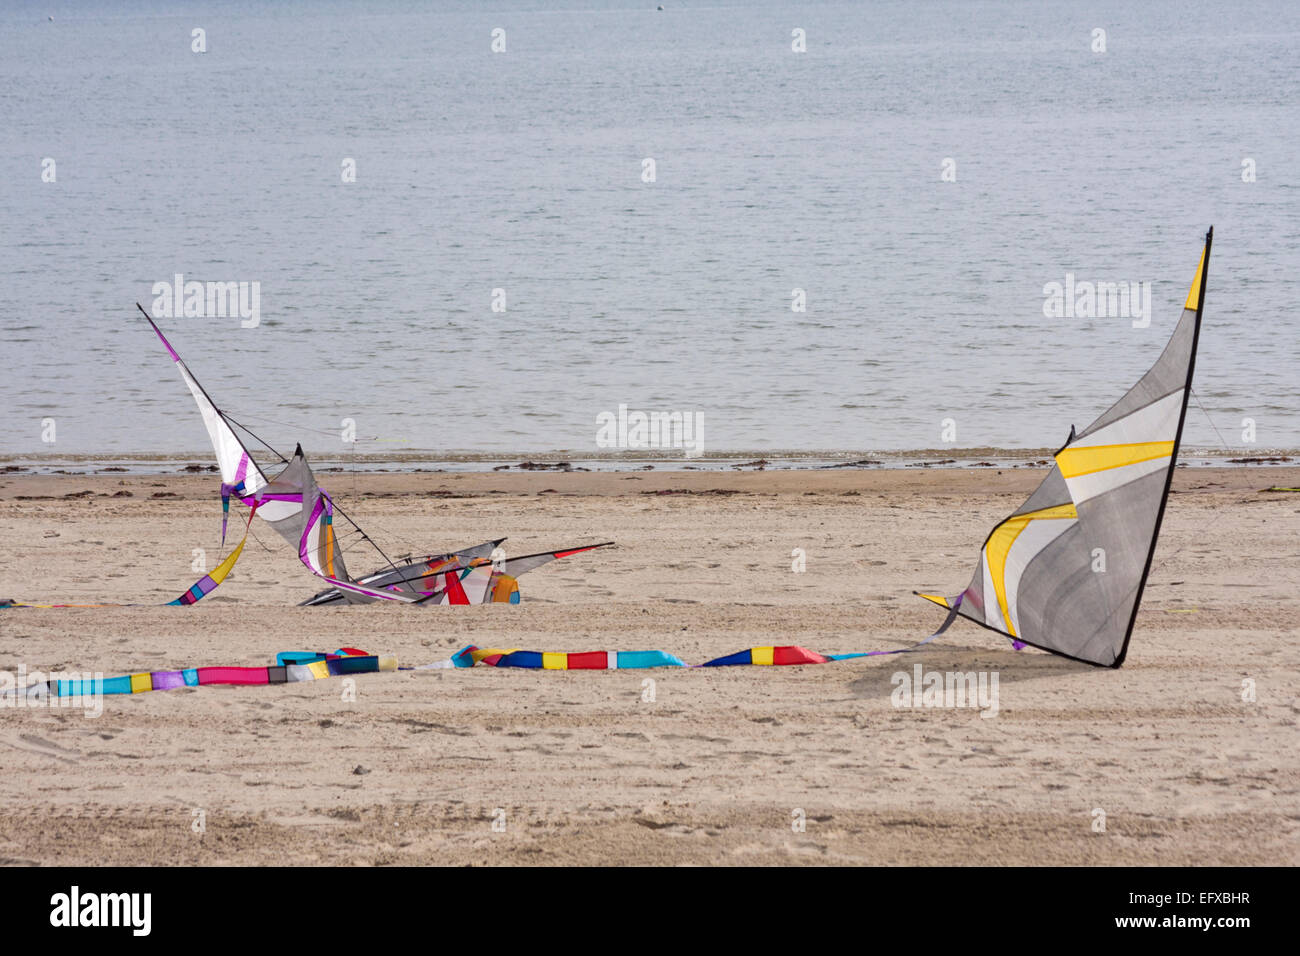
x=691 y=491
x=1065 y=572
x=861 y=463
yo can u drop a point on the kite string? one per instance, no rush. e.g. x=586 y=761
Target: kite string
x=272 y=421
x=1209 y=419
x=257 y=438
x=306 y=428
x=356 y=493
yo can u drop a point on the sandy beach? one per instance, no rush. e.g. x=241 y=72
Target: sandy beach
x=723 y=764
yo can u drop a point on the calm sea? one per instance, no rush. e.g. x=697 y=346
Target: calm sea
x=525 y=171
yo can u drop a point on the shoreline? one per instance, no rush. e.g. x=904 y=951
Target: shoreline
x=441 y=462
x=948 y=480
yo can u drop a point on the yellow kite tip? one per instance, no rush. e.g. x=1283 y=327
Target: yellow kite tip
x=941 y=601
x=1194 y=295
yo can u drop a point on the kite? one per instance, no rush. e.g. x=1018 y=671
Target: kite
x=1066 y=571
x=303 y=514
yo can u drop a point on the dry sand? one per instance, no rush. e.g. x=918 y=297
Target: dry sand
x=714 y=769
